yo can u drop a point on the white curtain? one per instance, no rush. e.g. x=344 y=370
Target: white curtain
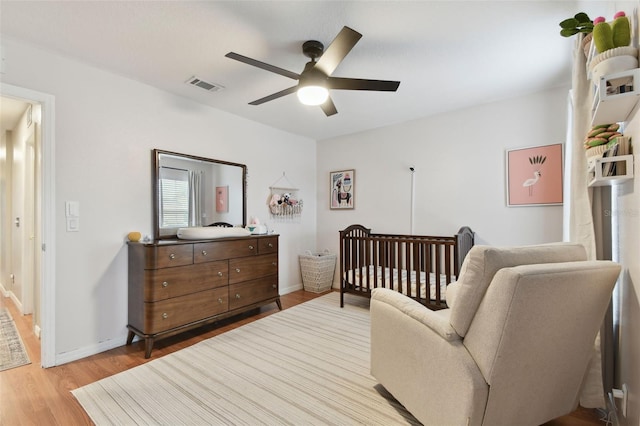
x=195 y=198
x=578 y=216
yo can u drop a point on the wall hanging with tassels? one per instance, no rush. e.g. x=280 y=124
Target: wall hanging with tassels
x=284 y=203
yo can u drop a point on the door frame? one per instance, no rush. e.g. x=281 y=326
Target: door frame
x=47 y=214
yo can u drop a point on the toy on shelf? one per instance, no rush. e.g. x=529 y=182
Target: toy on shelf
x=607 y=36
x=283 y=201
x=611 y=47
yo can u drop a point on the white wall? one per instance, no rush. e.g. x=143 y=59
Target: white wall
x=459 y=161
x=105 y=129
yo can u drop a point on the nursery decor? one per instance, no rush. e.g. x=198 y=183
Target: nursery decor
x=579 y=24
x=318 y=270
x=612 y=42
x=342 y=189
x=601 y=134
x=325 y=379
x=608 y=36
x=284 y=204
x=222 y=199
x=534 y=176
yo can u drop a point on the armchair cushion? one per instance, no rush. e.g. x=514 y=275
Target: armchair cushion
x=437 y=321
x=482 y=263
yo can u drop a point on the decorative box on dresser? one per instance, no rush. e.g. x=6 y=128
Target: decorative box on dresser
x=178 y=285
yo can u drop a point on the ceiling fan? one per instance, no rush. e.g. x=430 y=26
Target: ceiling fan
x=315 y=81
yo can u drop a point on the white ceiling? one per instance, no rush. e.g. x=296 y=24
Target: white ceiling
x=448 y=55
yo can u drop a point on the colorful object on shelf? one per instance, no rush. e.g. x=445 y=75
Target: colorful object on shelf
x=579 y=24
x=602 y=35
x=602 y=134
x=134 y=236
x=607 y=36
x=621 y=30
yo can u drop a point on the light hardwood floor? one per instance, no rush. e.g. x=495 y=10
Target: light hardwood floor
x=31 y=395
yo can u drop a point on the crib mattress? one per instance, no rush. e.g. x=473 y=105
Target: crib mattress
x=406 y=286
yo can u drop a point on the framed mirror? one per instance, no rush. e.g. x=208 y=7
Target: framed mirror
x=193 y=191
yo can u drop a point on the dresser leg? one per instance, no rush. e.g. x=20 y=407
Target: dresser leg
x=279 y=303
x=130 y=337
x=148 y=345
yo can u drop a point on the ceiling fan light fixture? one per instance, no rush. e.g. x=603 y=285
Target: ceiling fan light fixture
x=312 y=95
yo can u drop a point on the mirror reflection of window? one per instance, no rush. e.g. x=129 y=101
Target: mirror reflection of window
x=174 y=197
x=185 y=192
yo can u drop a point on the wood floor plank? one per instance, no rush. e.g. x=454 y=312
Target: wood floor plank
x=31 y=395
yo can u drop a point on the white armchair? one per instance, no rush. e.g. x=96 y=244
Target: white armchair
x=512 y=349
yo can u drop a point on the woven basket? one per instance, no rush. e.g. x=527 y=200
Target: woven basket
x=317 y=271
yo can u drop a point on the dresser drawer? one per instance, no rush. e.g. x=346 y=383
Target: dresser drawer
x=179 y=311
x=253 y=291
x=165 y=283
x=267 y=245
x=245 y=269
x=168 y=256
x=218 y=250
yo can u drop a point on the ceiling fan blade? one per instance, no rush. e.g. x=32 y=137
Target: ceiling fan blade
x=328 y=107
x=339 y=83
x=275 y=96
x=263 y=65
x=337 y=50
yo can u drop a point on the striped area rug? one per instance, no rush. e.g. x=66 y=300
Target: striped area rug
x=306 y=365
x=12 y=351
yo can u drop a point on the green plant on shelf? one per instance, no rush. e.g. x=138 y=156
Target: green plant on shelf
x=579 y=24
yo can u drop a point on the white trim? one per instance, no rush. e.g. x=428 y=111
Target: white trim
x=47 y=227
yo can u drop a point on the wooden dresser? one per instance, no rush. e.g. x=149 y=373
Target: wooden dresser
x=178 y=285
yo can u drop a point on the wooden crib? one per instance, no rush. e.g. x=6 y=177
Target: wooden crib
x=418 y=266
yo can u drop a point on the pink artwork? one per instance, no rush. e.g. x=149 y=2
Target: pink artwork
x=222 y=199
x=534 y=176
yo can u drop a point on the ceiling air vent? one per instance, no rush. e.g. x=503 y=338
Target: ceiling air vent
x=209 y=87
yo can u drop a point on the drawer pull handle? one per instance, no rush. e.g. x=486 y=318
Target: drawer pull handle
x=250 y=247
x=237 y=296
x=220 y=300
x=165 y=315
x=270 y=245
x=204 y=252
x=274 y=286
x=237 y=269
x=172 y=256
x=274 y=263
x=219 y=274
x=165 y=284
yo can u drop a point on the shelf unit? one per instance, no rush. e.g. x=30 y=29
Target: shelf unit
x=596 y=172
x=615 y=97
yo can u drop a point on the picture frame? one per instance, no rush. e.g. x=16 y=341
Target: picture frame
x=534 y=176
x=222 y=199
x=342 y=185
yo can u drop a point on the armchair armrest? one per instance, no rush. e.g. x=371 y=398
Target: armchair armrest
x=418 y=357
x=438 y=321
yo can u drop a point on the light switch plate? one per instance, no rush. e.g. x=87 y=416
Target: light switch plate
x=73 y=224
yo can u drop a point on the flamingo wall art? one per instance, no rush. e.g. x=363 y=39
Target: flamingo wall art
x=534 y=176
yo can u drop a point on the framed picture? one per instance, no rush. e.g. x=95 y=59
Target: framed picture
x=222 y=199
x=342 y=189
x=534 y=176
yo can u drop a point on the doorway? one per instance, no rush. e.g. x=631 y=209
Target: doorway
x=27 y=214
